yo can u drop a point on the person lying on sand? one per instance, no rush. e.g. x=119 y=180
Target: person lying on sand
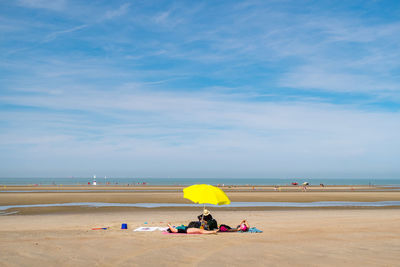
x=188 y=230
x=242 y=227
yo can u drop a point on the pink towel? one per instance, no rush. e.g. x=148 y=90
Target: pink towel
x=168 y=233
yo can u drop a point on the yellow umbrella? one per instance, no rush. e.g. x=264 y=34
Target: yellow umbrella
x=204 y=193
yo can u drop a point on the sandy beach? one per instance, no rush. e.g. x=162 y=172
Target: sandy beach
x=110 y=110
x=49 y=236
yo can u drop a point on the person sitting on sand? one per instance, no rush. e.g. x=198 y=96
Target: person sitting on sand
x=207 y=221
x=206 y=216
x=191 y=230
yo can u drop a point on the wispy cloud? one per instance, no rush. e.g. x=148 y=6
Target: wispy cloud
x=248 y=87
x=198 y=128
x=123 y=9
x=45 y=4
x=316 y=78
x=52 y=36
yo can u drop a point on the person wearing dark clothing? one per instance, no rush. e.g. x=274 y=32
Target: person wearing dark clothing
x=206 y=216
x=207 y=220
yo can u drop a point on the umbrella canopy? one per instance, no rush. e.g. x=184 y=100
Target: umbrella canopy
x=206 y=194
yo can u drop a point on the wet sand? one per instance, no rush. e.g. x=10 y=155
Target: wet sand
x=158 y=194
x=292 y=236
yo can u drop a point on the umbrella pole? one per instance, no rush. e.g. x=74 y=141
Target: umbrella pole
x=202 y=217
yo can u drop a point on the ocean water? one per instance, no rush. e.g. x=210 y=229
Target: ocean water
x=190 y=181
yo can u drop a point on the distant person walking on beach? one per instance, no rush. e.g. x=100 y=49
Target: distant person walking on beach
x=305 y=186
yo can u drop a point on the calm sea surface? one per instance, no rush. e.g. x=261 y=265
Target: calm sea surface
x=190 y=181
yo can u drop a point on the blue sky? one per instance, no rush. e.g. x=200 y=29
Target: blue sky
x=200 y=88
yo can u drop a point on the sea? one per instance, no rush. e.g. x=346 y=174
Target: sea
x=191 y=181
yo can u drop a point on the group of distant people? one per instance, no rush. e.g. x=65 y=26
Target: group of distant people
x=206 y=224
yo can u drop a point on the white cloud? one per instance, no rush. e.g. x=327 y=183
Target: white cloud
x=123 y=9
x=162 y=17
x=112 y=101
x=45 y=4
x=50 y=37
x=316 y=78
x=191 y=129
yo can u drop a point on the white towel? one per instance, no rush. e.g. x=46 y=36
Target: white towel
x=150 y=229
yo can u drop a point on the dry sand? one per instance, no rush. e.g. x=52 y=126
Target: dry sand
x=292 y=237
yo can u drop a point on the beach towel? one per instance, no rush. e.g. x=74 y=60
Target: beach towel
x=168 y=233
x=150 y=229
x=252 y=230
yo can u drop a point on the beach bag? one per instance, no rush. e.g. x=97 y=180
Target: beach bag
x=194 y=224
